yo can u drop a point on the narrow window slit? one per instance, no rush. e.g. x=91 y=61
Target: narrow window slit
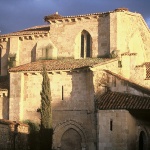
x=62 y=96
x=111 y=125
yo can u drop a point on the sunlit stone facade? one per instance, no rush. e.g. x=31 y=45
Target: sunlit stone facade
x=115 y=46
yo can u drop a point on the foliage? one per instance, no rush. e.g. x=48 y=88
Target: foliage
x=32 y=126
x=12 y=60
x=46 y=112
x=34 y=137
x=12 y=55
x=114 y=54
x=46 y=130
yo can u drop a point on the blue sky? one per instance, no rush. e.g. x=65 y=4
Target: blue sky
x=20 y=14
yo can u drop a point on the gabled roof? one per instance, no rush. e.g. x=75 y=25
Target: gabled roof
x=115 y=100
x=30 y=31
x=59 y=64
x=130 y=83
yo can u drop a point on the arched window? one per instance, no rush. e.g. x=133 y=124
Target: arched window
x=142 y=141
x=85 y=44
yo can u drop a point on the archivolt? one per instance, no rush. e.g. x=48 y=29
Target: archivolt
x=61 y=128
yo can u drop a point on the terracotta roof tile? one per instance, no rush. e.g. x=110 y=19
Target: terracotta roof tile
x=60 y=64
x=147 y=65
x=115 y=100
x=29 y=31
x=57 y=16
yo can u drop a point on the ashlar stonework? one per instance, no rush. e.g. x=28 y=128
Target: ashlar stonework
x=87 y=57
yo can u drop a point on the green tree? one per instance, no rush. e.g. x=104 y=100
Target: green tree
x=46 y=113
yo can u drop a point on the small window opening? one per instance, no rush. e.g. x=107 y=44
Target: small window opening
x=111 y=125
x=62 y=96
x=119 y=64
x=82 y=46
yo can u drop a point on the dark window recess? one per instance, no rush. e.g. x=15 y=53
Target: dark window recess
x=88 y=45
x=119 y=64
x=85 y=44
x=111 y=125
x=142 y=141
x=82 y=46
x=62 y=96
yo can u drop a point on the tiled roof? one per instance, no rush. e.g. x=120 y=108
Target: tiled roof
x=60 y=64
x=29 y=31
x=147 y=65
x=4 y=82
x=131 y=83
x=57 y=16
x=128 y=54
x=115 y=100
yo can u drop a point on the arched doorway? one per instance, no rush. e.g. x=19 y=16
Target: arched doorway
x=71 y=140
x=142 y=141
x=69 y=130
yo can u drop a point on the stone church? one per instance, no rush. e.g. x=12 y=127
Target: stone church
x=99 y=71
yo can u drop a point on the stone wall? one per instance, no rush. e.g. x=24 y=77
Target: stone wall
x=75 y=107
x=119 y=85
x=13 y=135
x=116 y=130
x=119 y=130
x=67 y=36
x=131 y=29
x=4 y=104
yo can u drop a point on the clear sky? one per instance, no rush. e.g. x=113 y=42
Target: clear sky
x=20 y=14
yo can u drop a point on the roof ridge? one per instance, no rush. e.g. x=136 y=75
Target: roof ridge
x=46 y=18
x=58 y=64
x=133 y=84
x=26 y=30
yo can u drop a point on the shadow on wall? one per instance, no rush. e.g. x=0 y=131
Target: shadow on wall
x=73 y=115
x=4 y=97
x=33 y=53
x=143 y=131
x=5 y=107
x=104 y=37
x=4 y=60
x=15 y=135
